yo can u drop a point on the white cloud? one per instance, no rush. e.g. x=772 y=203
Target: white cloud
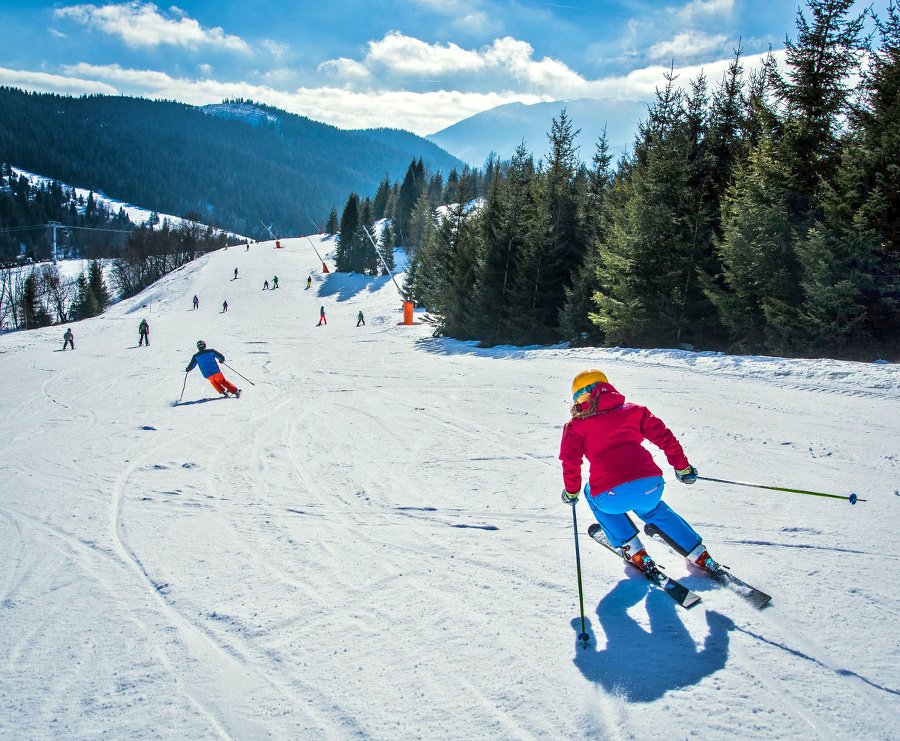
x=423 y=113
x=507 y=64
x=57 y=34
x=205 y=69
x=146 y=78
x=420 y=112
x=475 y=23
x=705 y=8
x=142 y=24
x=275 y=48
x=41 y=82
x=345 y=68
x=689 y=45
x=412 y=56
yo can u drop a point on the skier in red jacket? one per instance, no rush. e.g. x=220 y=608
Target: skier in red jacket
x=623 y=478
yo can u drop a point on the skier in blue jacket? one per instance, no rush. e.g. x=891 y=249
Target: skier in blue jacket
x=206 y=359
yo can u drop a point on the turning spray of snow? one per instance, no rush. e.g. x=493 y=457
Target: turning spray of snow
x=369 y=543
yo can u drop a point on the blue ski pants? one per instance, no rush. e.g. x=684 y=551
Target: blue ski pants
x=644 y=498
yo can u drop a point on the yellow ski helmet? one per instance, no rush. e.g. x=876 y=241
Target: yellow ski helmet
x=584 y=383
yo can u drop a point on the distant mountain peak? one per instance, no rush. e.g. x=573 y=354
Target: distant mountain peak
x=498 y=131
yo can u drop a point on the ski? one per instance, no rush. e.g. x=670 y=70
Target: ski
x=677 y=591
x=722 y=575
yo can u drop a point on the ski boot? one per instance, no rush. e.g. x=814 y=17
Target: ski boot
x=635 y=552
x=700 y=557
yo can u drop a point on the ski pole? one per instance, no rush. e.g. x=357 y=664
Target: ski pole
x=183 y=387
x=583 y=636
x=244 y=377
x=853 y=499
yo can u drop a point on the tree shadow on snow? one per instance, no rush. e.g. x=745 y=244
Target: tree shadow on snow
x=642 y=665
x=344 y=286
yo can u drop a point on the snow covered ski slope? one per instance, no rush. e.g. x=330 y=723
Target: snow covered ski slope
x=369 y=543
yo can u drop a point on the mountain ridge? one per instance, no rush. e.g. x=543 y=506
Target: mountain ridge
x=176 y=158
x=500 y=130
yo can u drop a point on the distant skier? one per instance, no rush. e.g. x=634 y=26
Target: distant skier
x=248 y=247
x=235 y=274
x=224 y=306
x=143 y=333
x=322 y=319
x=69 y=339
x=360 y=319
x=196 y=303
x=623 y=477
x=205 y=358
x=308 y=283
x=266 y=285
x=275 y=282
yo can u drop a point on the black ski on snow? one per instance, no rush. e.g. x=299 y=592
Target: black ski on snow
x=723 y=576
x=677 y=591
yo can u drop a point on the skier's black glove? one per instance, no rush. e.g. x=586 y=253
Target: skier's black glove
x=568 y=498
x=687 y=475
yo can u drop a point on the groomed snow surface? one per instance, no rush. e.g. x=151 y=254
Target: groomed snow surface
x=369 y=543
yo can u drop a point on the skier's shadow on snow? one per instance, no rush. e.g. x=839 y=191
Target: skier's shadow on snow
x=197 y=401
x=642 y=665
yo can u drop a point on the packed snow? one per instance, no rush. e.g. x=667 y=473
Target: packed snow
x=370 y=542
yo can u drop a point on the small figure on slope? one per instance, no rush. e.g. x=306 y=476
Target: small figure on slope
x=143 y=333
x=224 y=306
x=275 y=282
x=322 y=317
x=196 y=302
x=69 y=339
x=206 y=359
x=266 y=285
x=623 y=477
x=235 y=274
x=308 y=283
x=360 y=319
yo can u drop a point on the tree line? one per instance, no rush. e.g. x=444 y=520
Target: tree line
x=407 y=205
x=755 y=214
x=37 y=294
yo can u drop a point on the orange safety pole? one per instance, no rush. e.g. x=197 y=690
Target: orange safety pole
x=324 y=267
x=407 y=312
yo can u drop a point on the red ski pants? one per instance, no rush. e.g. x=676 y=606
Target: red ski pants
x=221 y=384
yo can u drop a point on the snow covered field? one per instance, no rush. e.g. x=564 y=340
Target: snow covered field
x=369 y=543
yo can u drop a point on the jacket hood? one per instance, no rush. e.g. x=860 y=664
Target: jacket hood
x=607 y=398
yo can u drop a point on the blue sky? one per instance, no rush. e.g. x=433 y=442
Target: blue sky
x=415 y=64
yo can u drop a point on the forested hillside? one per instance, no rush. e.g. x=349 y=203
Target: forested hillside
x=174 y=158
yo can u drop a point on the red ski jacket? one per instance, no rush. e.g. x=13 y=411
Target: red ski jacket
x=611 y=441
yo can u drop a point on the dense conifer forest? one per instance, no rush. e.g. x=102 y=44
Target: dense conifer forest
x=755 y=213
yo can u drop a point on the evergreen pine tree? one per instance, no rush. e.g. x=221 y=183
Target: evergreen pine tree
x=380 y=202
x=574 y=320
x=347 y=237
x=98 y=285
x=32 y=312
x=501 y=228
x=86 y=304
x=386 y=245
x=369 y=262
x=332 y=224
